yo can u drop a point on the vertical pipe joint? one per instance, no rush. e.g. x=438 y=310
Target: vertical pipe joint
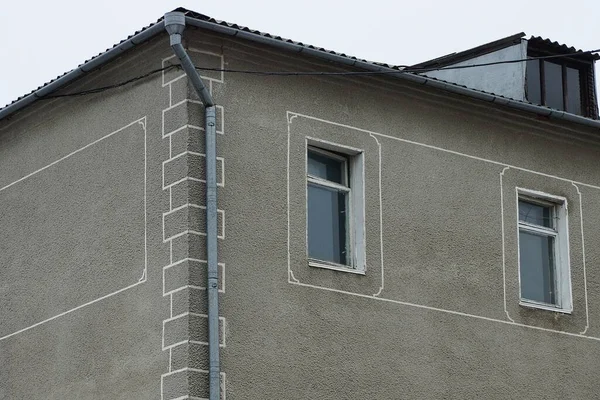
x=175 y=24
x=211 y=244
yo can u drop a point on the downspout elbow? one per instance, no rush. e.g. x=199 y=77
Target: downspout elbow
x=174 y=25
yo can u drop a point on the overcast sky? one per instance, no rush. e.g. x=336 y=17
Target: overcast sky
x=43 y=39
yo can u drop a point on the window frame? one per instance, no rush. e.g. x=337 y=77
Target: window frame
x=560 y=233
x=582 y=67
x=353 y=177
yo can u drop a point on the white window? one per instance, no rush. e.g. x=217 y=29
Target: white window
x=334 y=205
x=544 y=272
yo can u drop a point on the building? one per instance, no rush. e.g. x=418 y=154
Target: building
x=370 y=227
x=560 y=77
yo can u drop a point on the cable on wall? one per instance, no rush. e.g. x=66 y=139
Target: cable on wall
x=401 y=70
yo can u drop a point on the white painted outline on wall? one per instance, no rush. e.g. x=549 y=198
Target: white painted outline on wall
x=558 y=200
x=172 y=262
x=222 y=340
x=189 y=231
x=292 y=280
x=357 y=242
x=172 y=106
x=183 y=75
x=382 y=135
x=503 y=245
x=188 y=286
x=220 y=115
x=291 y=277
x=587 y=312
x=339 y=147
x=380 y=215
x=189 y=178
x=144 y=277
x=190 y=369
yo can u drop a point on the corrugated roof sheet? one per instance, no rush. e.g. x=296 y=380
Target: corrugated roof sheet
x=486 y=48
x=86 y=61
x=343 y=56
x=219 y=22
x=559 y=48
x=203 y=17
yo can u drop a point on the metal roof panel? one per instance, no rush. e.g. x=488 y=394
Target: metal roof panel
x=242 y=31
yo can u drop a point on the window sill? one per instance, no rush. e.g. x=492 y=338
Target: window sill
x=334 y=267
x=545 y=307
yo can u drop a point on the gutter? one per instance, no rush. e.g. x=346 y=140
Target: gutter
x=296 y=48
x=174 y=23
x=449 y=87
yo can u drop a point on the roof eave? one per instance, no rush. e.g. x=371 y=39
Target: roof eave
x=454 y=58
x=519 y=105
x=95 y=62
x=294 y=47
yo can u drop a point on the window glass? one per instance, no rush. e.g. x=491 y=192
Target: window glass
x=324 y=167
x=553 y=85
x=534 y=90
x=573 y=91
x=327 y=210
x=535 y=214
x=537 y=267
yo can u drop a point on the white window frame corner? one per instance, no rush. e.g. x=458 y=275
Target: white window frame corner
x=355 y=162
x=561 y=251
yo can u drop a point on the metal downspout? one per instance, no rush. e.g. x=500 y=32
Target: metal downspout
x=175 y=24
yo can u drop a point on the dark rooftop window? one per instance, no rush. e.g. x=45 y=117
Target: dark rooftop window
x=534 y=89
x=560 y=83
x=573 y=79
x=556 y=85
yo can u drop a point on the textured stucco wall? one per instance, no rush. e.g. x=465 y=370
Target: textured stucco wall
x=503 y=79
x=82 y=252
x=435 y=316
x=438 y=328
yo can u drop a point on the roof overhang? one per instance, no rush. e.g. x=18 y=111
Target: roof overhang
x=454 y=58
x=210 y=24
x=540 y=44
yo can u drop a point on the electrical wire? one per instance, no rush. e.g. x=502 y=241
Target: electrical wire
x=402 y=69
x=509 y=61
x=113 y=86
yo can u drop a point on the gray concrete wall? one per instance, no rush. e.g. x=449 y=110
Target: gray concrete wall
x=99 y=278
x=102 y=284
x=428 y=320
x=503 y=79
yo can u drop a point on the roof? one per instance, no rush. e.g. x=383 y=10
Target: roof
x=535 y=41
x=85 y=67
x=454 y=58
x=234 y=30
x=540 y=43
x=146 y=33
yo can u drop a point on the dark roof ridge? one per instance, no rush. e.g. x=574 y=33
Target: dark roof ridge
x=477 y=51
x=234 y=30
x=539 y=42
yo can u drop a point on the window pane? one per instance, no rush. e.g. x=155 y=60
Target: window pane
x=573 y=91
x=553 y=85
x=534 y=91
x=535 y=214
x=327 y=224
x=325 y=167
x=537 y=267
